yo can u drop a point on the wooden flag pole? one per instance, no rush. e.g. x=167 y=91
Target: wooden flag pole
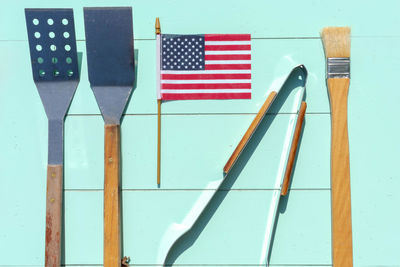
x=158 y=33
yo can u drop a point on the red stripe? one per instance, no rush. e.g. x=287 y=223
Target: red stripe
x=226 y=47
x=206 y=86
x=204 y=76
x=227 y=37
x=228 y=67
x=227 y=57
x=206 y=96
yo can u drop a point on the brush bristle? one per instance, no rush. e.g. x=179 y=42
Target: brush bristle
x=336 y=41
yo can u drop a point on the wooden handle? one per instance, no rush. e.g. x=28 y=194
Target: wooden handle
x=253 y=126
x=293 y=148
x=340 y=174
x=158 y=141
x=112 y=205
x=54 y=199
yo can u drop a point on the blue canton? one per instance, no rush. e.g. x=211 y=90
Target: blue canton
x=182 y=52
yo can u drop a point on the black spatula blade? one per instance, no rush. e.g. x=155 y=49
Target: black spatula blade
x=110 y=56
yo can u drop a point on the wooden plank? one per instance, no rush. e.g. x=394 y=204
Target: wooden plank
x=213 y=20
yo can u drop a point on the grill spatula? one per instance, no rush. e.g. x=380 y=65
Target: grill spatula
x=52 y=47
x=110 y=56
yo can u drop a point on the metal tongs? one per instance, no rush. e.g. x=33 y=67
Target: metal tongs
x=282 y=181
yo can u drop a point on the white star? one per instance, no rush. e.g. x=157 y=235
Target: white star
x=189 y=56
x=200 y=60
x=201 y=67
x=167 y=63
x=189 y=49
x=164 y=59
x=189 y=42
x=179 y=39
x=192 y=39
x=186 y=67
x=186 y=53
x=164 y=46
x=200 y=46
x=192 y=67
x=185 y=39
x=174 y=63
x=164 y=39
x=179 y=60
x=200 y=39
x=174 y=42
x=190 y=63
x=164 y=66
x=179 y=67
x=186 y=59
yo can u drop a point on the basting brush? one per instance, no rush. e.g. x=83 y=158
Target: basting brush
x=336 y=42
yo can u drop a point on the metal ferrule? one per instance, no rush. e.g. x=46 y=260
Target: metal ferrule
x=338 y=67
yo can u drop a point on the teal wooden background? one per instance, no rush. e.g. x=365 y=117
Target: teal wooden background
x=198 y=137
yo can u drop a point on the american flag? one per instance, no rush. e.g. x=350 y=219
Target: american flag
x=204 y=66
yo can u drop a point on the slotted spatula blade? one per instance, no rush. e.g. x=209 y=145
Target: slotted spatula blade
x=54 y=61
x=110 y=56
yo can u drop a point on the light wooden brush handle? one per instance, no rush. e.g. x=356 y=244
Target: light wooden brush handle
x=54 y=197
x=293 y=148
x=112 y=205
x=250 y=131
x=340 y=174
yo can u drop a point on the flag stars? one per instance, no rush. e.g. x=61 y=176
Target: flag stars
x=183 y=52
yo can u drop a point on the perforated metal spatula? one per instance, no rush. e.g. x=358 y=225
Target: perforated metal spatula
x=52 y=47
x=111 y=68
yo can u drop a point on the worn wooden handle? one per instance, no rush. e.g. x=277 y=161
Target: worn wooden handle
x=293 y=148
x=340 y=174
x=54 y=199
x=112 y=205
x=253 y=126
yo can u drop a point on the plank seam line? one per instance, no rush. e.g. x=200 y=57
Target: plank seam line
x=198 y=114
x=194 y=189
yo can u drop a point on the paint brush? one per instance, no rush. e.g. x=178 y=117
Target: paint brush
x=336 y=42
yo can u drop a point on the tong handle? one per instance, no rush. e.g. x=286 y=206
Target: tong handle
x=112 y=203
x=54 y=197
x=293 y=149
x=250 y=131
